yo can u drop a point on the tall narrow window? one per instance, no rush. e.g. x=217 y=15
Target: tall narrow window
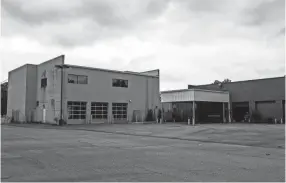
x=43 y=82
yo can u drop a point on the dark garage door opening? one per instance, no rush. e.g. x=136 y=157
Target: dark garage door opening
x=209 y=112
x=283 y=107
x=239 y=109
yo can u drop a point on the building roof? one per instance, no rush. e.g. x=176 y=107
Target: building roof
x=234 y=82
x=195 y=89
x=114 y=71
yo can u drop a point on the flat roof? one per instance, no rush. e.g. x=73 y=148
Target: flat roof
x=233 y=82
x=195 y=89
x=114 y=71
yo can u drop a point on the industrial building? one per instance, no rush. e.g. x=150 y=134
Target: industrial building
x=54 y=90
x=263 y=96
x=262 y=99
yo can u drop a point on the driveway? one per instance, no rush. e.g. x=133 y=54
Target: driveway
x=260 y=135
x=137 y=152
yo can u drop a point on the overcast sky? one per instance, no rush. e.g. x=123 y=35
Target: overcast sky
x=190 y=41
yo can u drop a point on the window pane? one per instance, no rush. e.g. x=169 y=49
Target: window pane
x=43 y=82
x=82 y=79
x=115 y=82
x=124 y=83
x=72 y=78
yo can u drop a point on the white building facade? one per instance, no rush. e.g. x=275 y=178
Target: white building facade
x=88 y=95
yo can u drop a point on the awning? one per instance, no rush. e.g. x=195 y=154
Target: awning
x=194 y=95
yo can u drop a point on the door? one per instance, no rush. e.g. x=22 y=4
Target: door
x=267 y=109
x=99 y=112
x=119 y=112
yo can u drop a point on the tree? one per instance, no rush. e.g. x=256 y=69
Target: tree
x=226 y=81
x=216 y=82
x=220 y=82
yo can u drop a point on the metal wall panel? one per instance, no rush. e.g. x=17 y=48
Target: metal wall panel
x=178 y=96
x=211 y=96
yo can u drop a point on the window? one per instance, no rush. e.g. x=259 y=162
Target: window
x=72 y=78
x=76 y=110
x=99 y=110
x=119 y=110
x=120 y=83
x=43 y=82
x=77 y=79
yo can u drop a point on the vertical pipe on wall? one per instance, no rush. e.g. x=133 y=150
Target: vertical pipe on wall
x=194 y=113
x=223 y=112
x=147 y=97
x=229 y=112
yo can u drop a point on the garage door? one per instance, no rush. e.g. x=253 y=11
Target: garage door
x=266 y=109
x=239 y=109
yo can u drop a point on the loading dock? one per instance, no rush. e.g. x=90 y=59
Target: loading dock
x=208 y=105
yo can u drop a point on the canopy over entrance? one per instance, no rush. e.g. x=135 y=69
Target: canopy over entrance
x=199 y=96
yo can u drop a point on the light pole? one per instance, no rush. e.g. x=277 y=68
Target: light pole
x=62 y=67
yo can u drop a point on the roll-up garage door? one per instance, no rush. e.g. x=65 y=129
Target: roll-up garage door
x=266 y=109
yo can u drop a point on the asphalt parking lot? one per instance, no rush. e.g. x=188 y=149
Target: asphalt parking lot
x=137 y=152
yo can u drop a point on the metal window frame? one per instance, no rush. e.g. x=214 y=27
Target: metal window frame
x=81 y=111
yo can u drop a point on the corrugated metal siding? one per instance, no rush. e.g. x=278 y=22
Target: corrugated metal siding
x=211 y=96
x=179 y=96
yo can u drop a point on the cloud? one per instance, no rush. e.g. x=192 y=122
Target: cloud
x=267 y=12
x=191 y=41
x=73 y=23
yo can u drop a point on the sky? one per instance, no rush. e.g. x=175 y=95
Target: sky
x=190 y=41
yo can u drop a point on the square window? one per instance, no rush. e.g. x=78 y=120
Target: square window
x=72 y=78
x=82 y=79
